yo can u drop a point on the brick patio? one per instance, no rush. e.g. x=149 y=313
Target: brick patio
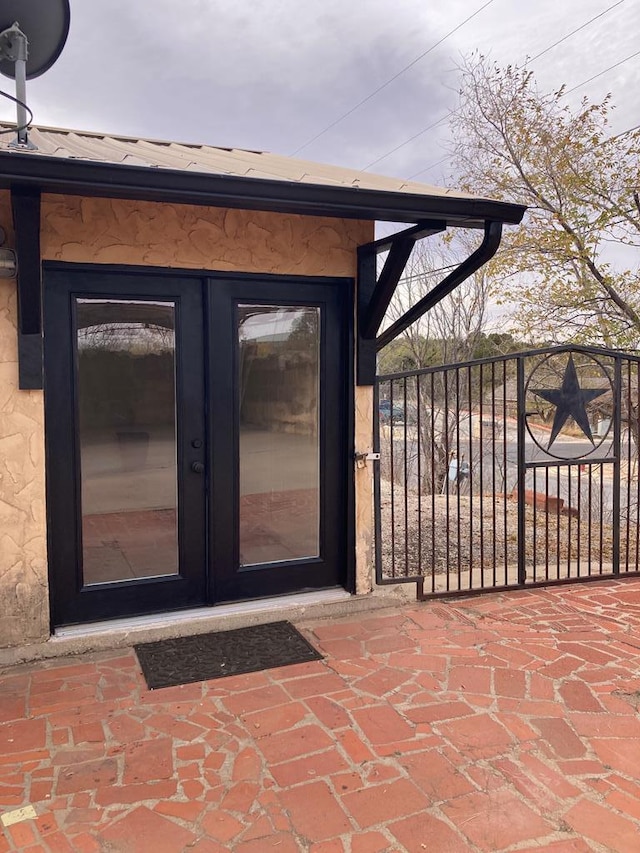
x=502 y=723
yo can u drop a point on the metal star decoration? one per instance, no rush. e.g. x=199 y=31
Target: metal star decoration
x=570 y=401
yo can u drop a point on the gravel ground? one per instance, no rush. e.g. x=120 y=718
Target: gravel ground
x=465 y=536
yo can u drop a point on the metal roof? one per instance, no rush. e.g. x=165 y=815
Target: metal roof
x=76 y=161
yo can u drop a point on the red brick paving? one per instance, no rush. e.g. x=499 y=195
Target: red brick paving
x=503 y=724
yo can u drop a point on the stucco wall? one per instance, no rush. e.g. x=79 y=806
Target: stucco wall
x=111 y=231
x=90 y=230
x=24 y=606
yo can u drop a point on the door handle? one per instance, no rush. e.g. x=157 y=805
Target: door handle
x=197 y=467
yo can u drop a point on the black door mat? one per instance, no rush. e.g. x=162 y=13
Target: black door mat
x=203 y=657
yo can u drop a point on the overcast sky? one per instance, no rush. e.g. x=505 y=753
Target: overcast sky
x=271 y=74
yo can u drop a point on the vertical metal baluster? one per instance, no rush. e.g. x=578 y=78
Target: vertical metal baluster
x=546 y=525
x=589 y=512
x=522 y=472
x=406 y=478
x=470 y=479
x=617 y=438
x=569 y=508
x=627 y=544
x=393 y=481
x=481 y=469
x=558 y=528
x=458 y=527
x=602 y=470
x=579 y=521
x=445 y=374
x=377 y=490
x=433 y=484
x=419 y=471
x=534 y=538
x=637 y=386
x=506 y=470
x=494 y=515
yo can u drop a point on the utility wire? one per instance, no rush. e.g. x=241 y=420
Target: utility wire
x=533 y=58
x=568 y=91
x=421 y=275
x=577 y=30
x=391 y=79
x=610 y=138
x=407 y=141
x=624 y=132
x=426 y=168
x=600 y=73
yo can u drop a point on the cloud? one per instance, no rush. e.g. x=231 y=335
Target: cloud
x=270 y=75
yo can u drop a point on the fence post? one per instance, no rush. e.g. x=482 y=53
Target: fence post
x=522 y=471
x=377 y=497
x=617 y=449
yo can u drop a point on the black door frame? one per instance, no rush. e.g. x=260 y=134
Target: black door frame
x=330 y=567
x=69 y=598
x=343 y=429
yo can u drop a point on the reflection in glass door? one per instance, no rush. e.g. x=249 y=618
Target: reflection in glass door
x=279 y=392
x=279 y=362
x=126 y=443
x=165 y=491
x=127 y=438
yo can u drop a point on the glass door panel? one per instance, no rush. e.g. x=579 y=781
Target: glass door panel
x=279 y=392
x=166 y=491
x=126 y=442
x=280 y=370
x=126 y=398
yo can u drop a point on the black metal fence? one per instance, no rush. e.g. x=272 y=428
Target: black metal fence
x=509 y=472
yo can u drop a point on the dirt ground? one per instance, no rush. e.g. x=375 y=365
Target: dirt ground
x=435 y=534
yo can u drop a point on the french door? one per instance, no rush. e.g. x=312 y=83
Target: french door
x=279 y=366
x=196 y=433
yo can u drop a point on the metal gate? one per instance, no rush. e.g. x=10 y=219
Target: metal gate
x=509 y=472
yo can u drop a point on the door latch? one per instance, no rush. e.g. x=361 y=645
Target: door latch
x=366 y=456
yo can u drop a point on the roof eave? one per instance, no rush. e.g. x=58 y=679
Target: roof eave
x=80 y=177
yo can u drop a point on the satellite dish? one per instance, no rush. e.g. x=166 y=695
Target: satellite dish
x=32 y=35
x=45 y=23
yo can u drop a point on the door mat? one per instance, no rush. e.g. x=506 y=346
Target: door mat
x=203 y=657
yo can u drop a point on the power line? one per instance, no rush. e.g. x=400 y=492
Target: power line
x=391 y=79
x=421 y=275
x=426 y=168
x=577 y=30
x=624 y=132
x=407 y=141
x=610 y=138
x=578 y=86
x=537 y=56
x=600 y=73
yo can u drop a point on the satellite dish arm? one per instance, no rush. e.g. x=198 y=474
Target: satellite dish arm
x=15 y=47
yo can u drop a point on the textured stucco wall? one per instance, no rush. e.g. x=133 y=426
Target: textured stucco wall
x=112 y=231
x=24 y=606
x=88 y=230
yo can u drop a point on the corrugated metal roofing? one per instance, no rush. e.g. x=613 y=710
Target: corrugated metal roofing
x=95 y=164
x=210 y=160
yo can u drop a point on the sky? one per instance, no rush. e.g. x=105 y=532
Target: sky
x=273 y=74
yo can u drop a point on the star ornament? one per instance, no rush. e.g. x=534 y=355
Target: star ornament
x=570 y=401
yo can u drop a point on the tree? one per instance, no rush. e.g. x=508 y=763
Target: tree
x=450 y=331
x=563 y=268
